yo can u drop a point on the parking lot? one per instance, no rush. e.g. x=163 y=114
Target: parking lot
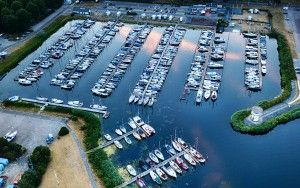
x=32 y=131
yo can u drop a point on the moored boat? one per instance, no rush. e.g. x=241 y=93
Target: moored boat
x=119 y=132
x=189 y=159
x=118 y=144
x=175 y=167
x=155 y=177
x=176 y=146
x=214 y=95
x=161 y=174
x=170 y=150
x=181 y=163
x=140 y=183
x=169 y=171
x=153 y=157
x=128 y=140
x=75 y=103
x=57 y=101
x=131 y=170
x=107 y=137
x=136 y=136
x=158 y=153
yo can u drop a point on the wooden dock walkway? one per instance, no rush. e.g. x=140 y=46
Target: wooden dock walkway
x=159 y=60
x=152 y=168
x=63 y=105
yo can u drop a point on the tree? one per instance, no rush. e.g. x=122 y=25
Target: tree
x=63 y=131
x=16 y=5
x=24 y=19
x=10 y=23
x=34 y=10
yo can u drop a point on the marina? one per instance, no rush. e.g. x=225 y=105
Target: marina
x=109 y=79
x=154 y=75
x=209 y=123
x=155 y=165
x=34 y=71
x=75 y=69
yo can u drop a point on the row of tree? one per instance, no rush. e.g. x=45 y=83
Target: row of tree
x=10 y=150
x=18 y=15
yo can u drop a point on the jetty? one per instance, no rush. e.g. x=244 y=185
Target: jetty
x=259 y=60
x=152 y=168
x=46 y=103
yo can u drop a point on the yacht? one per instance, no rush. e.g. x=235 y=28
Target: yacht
x=153 y=157
x=138 y=121
x=75 y=103
x=98 y=107
x=155 y=177
x=158 y=153
x=176 y=146
x=196 y=155
x=170 y=150
x=181 y=163
x=131 y=170
x=119 y=132
x=128 y=140
x=136 y=135
x=207 y=94
x=182 y=143
x=161 y=174
x=13 y=98
x=57 y=101
x=123 y=129
x=42 y=99
x=107 y=137
x=263 y=69
x=140 y=183
x=214 y=65
x=118 y=144
x=170 y=171
x=131 y=98
x=175 y=167
x=214 y=95
x=132 y=124
x=189 y=159
x=199 y=95
x=24 y=82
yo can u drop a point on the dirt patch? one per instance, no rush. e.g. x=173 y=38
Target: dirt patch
x=261 y=17
x=66 y=168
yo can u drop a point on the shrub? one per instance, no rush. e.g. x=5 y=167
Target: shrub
x=40 y=159
x=63 y=131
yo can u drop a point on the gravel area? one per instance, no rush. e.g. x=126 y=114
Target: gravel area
x=32 y=131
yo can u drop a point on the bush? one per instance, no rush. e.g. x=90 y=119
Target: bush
x=19 y=104
x=40 y=159
x=63 y=131
x=10 y=150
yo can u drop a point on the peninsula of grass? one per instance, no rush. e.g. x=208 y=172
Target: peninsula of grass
x=101 y=164
x=287 y=73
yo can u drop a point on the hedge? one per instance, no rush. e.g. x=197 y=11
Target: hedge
x=10 y=150
x=63 y=131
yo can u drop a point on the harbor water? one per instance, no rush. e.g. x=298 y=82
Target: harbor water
x=234 y=160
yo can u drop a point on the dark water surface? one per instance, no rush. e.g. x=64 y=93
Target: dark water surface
x=234 y=160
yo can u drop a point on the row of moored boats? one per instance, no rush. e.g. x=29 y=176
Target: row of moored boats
x=141 y=130
x=256 y=60
x=34 y=70
x=155 y=73
x=173 y=168
x=76 y=67
x=116 y=69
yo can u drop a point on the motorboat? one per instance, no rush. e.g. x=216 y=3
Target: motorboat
x=13 y=98
x=138 y=121
x=207 y=94
x=158 y=153
x=214 y=65
x=140 y=183
x=155 y=177
x=153 y=157
x=176 y=146
x=197 y=155
x=42 y=99
x=24 y=82
x=141 y=133
x=10 y=135
x=189 y=159
x=148 y=129
x=214 y=95
x=118 y=144
x=181 y=163
x=199 y=96
x=136 y=135
x=161 y=174
x=106 y=115
x=170 y=150
x=119 y=132
x=169 y=171
x=131 y=170
x=98 y=107
x=132 y=124
x=128 y=140
x=131 y=98
x=57 y=101
x=123 y=129
x=75 y=103
x=175 y=167
x=182 y=143
x=263 y=69
x=107 y=137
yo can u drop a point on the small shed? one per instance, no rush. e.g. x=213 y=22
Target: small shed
x=256 y=113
